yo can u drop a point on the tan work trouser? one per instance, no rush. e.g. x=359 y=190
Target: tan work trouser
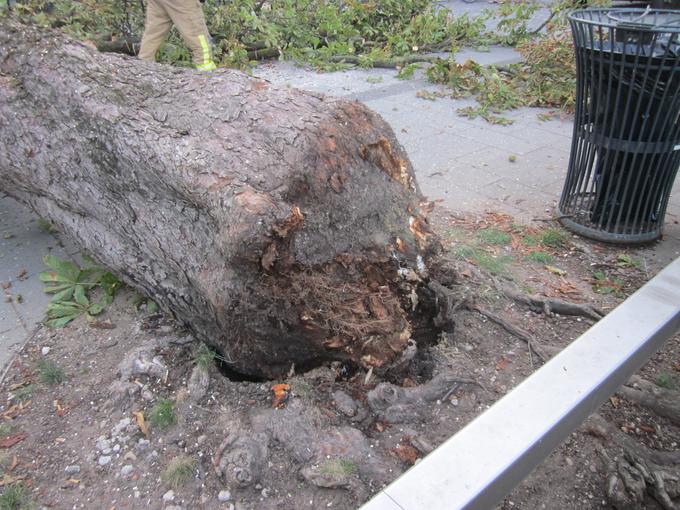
x=187 y=16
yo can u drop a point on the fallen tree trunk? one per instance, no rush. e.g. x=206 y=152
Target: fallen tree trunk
x=274 y=223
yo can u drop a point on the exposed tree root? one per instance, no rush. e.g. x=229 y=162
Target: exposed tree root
x=544 y=353
x=663 y=402
x=549 y=306
x=640 y=473
x=394 y=404
x=449 y=302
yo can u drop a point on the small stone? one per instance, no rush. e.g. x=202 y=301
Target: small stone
x=169 y=496
x=265 y=492
x=258 y=486
x=106 y=451
x=121 y=426
x=72 y=470
x=104 y=460
x=201 y=439
x=344 y=403
x=127 y=470
x=45 y=351
x=224 y=496
x=143 y=444
x=111 y=342
x=138 y=494
x=569 y=461
x=198 y=384
x=103 y=444
x=147 y=395
x=130 y=456
x=116 y=448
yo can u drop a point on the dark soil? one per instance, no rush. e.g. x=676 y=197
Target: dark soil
x=306 y=441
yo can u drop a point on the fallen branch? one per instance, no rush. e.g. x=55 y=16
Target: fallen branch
x=385 y=64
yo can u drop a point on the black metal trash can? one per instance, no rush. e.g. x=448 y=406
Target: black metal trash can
x=625 y=149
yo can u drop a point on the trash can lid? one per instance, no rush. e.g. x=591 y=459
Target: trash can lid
x=644 y=20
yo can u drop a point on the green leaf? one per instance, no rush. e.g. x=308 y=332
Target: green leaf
x=80 y=297
x=60 y=322
x=95 y=309
x=63 y=309
x=52 y=277
x=90 y=276
x=151 y=306
x=63 y=295
x=63 y=268
x=58 y=288
x=47 y=276
x=110 y=283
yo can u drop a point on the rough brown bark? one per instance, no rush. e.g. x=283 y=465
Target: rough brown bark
x=271 y=221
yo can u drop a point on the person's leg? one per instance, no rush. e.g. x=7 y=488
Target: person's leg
x=157 y=25
x=187 y=15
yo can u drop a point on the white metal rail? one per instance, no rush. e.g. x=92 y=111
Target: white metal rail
x=482 y=463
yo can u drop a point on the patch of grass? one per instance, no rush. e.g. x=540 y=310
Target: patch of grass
x=467 y=252
x=46 y=226
x=495 y=265
x=338 y=468
x=50 y=373
x=14 y=497
x=553 y=237
x=23 y=394
x=455 y=233
x=540 y=257
x=162 y=416
x=624 y=260
x=665 y=380
x=204 y=356
x=494 y=236
x=530 y=240
x=180 y=470
x=6 y=429
x=603 y=284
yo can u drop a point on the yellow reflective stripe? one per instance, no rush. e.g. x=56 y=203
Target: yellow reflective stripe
x=207 y=67
x=206 y=50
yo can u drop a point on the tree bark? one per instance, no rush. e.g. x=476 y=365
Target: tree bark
x=275 y=223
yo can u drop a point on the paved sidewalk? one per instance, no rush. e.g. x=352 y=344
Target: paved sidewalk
x=464 y=163
x=24 y=241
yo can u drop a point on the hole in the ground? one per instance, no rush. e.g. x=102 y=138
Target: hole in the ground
x=227 y=371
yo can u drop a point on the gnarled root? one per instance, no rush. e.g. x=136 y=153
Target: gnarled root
x=640 y=473
x=662 y=401
x=395 y=404
x=241 y=460
x=549 y=306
